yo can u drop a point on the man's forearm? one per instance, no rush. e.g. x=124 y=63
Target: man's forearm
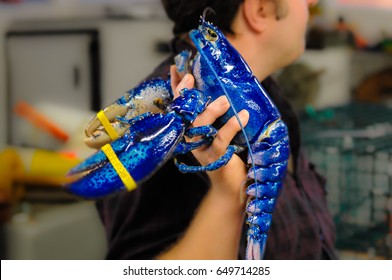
x=214 y=232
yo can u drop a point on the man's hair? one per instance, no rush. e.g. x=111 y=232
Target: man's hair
x=186 y=13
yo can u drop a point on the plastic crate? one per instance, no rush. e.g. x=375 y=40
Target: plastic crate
x=352 y=147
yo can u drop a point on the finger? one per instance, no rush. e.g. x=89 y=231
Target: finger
x=213 y=111
x=228 y=131
x=175 y=79
x=188 y=81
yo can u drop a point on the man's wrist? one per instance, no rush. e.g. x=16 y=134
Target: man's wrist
x=229 y=201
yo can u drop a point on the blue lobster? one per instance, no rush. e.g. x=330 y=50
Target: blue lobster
x=153 y=126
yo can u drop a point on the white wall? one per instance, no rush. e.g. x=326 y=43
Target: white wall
x=369 y=21
x=130 y=53
x=56 y=9
x=71 y=9
x=115 y=35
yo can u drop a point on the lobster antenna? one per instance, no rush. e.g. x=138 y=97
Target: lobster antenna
x=208 y=10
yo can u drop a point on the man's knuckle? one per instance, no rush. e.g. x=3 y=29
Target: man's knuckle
x=233 y=124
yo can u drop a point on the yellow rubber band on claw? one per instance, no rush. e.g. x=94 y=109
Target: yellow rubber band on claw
x=122 y=172
x=106 y=124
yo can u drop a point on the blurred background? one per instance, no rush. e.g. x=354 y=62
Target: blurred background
x=62 y=60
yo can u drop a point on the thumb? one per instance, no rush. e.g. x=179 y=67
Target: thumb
x=188 y=81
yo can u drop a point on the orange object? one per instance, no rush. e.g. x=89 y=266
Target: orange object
x=29 y=113
x=360 y=42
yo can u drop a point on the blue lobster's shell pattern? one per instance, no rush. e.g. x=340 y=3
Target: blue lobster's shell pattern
x=219 y=65
x=153 y=138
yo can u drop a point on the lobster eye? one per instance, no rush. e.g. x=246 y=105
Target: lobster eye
x=211 y=35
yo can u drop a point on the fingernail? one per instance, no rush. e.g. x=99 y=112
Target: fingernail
x=244 y=114
x=222 y=100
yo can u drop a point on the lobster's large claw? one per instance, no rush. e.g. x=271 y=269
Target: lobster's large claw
x=151 y=96
x=147 y=145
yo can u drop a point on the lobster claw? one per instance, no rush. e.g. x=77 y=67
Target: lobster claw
x=129 y=160
x=150 y=96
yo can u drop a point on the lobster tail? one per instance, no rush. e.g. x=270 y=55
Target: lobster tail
x=256 y=243
x=269 y=158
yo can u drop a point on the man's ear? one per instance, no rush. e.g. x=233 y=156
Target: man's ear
x=257 y=13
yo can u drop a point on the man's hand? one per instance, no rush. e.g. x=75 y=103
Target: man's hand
x=229 y=179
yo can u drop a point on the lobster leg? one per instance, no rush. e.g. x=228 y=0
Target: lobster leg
x=208 y=132
x=223 y=160
x=205 y=130
x=185 y=147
